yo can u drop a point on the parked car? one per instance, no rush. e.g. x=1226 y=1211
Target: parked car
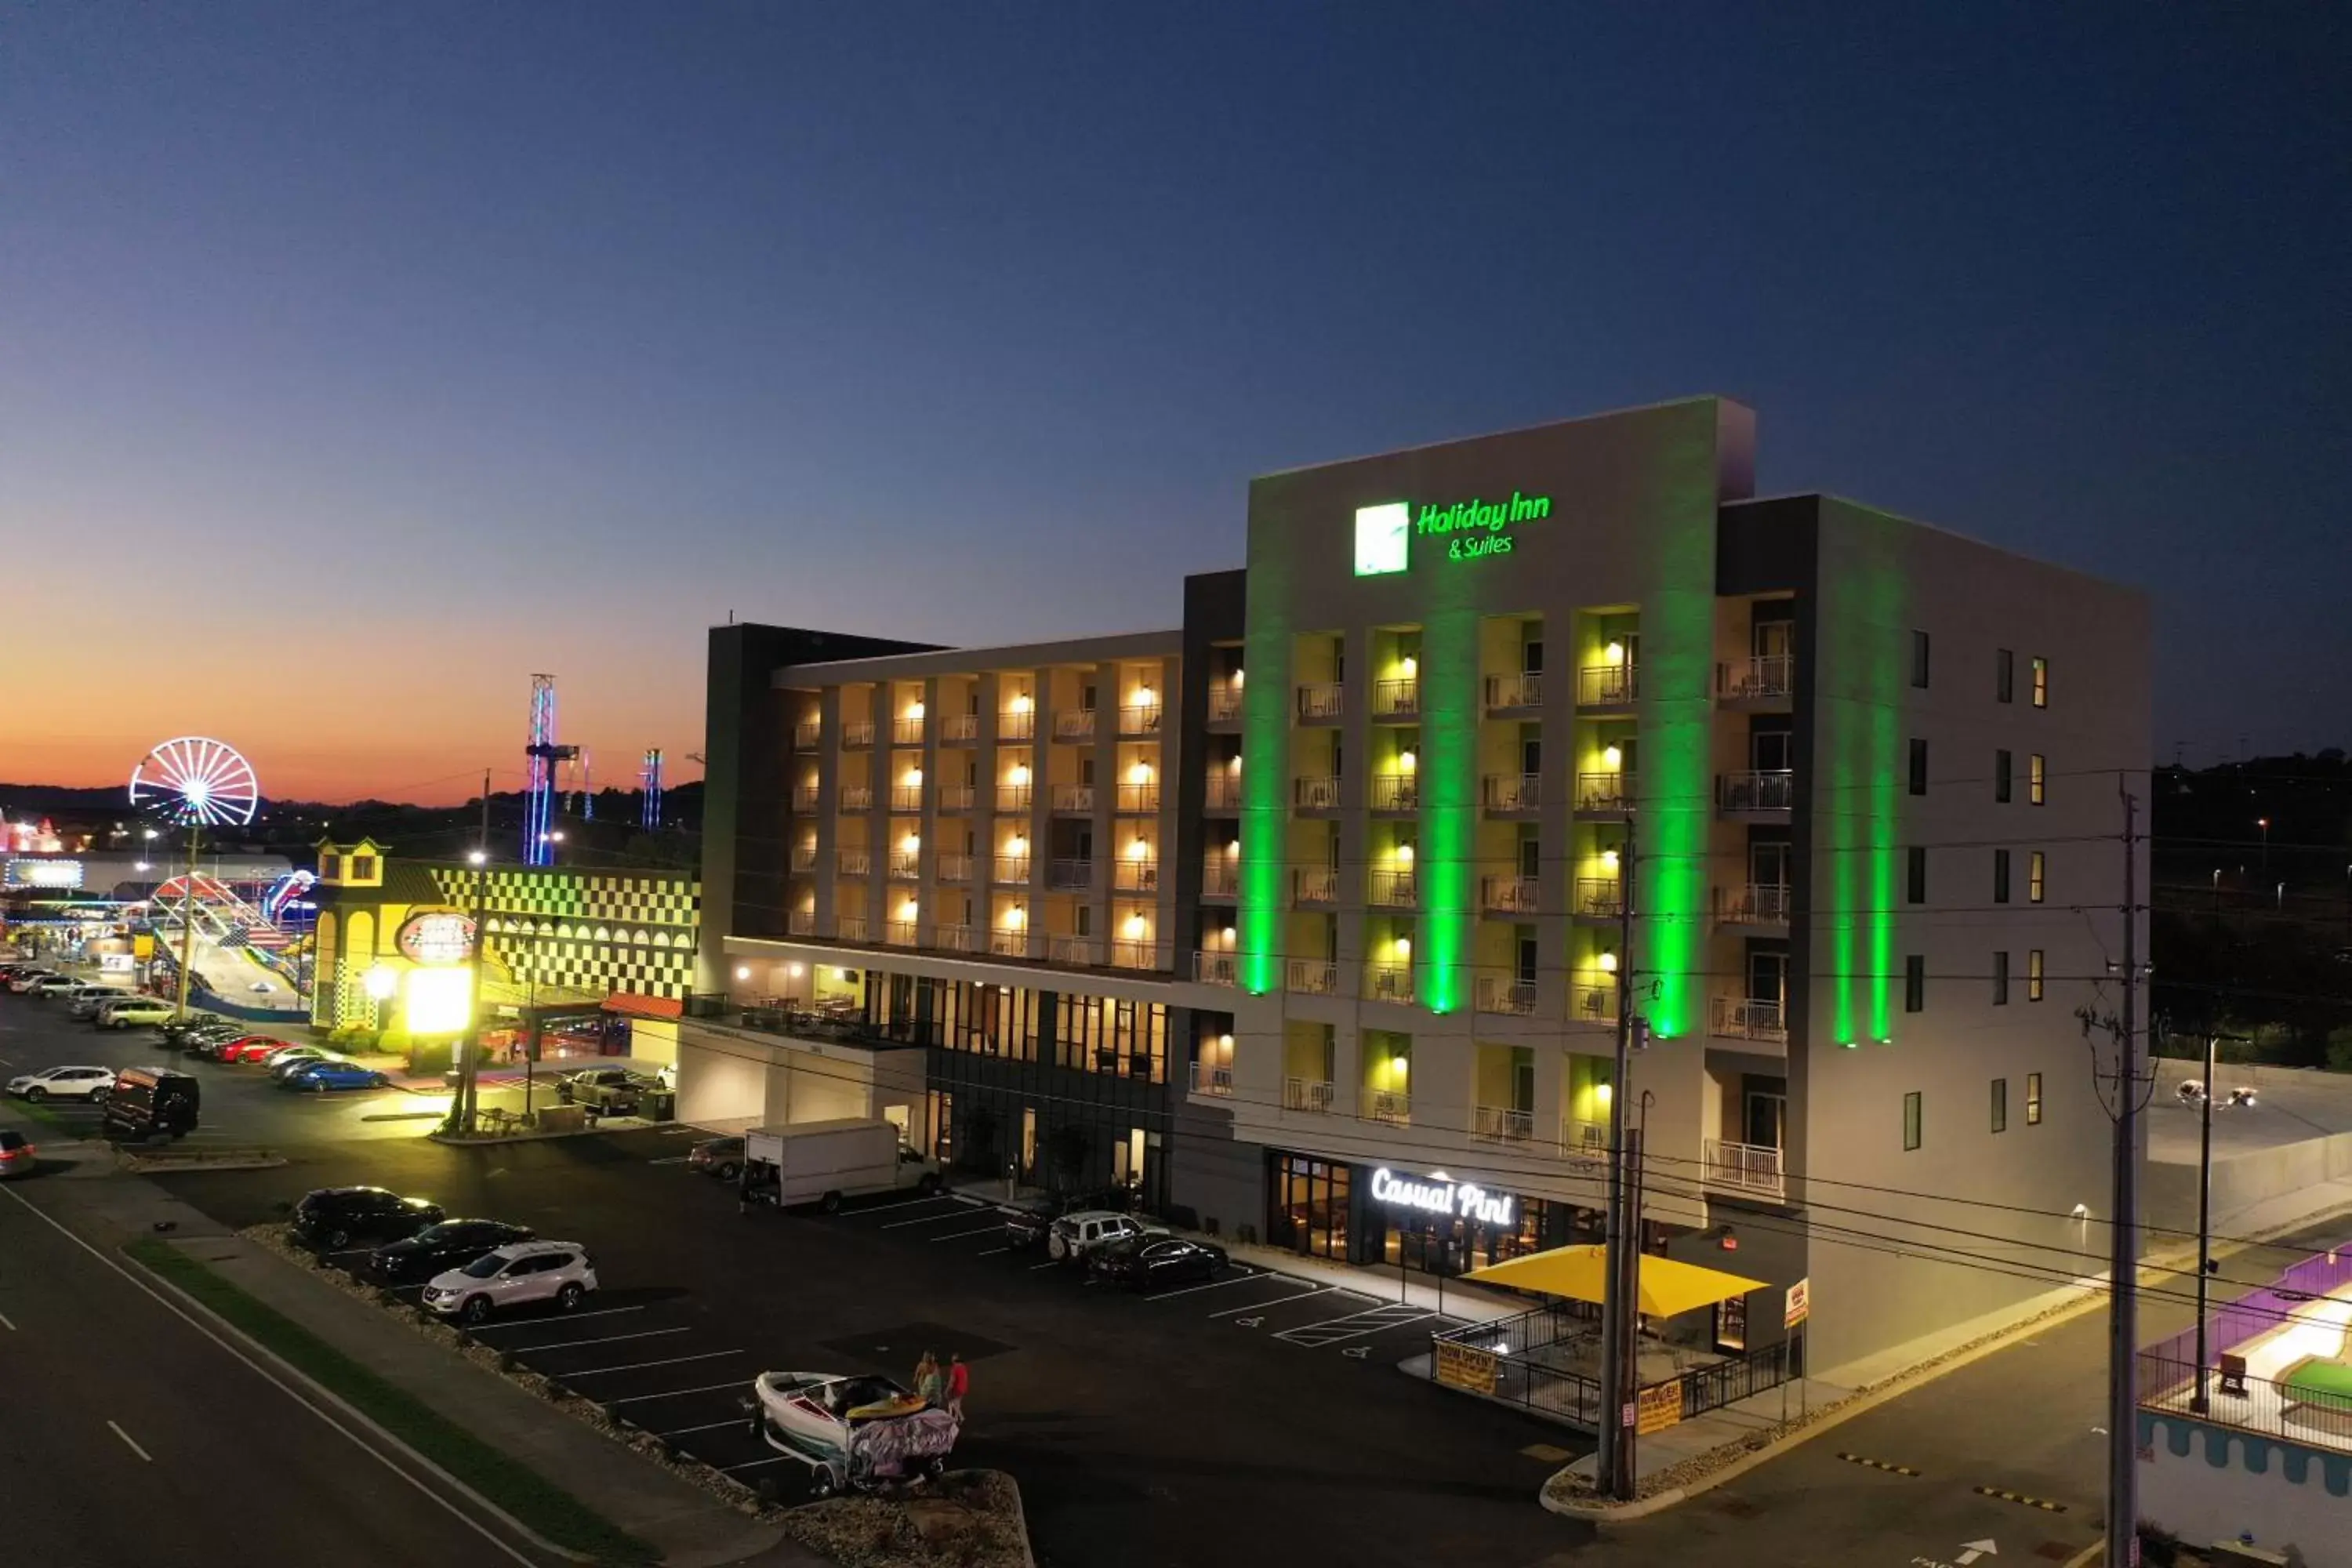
x=64 y=1083
x=18 y=1154
x=179 y=1029
x=191 y=1041
x=319 y=1077
x=1074 y=1236
x=133 y=1012
x=294 y=1058
x=51 y=986
x=147 y=1100
x=334 y=1218
x=1148 y=1262
x=1027 y=1224
x=719 y=1157
x=527 y=1271
x=84 y=1001
x=438 y=1249
x=253 y=1047
x=616 y=1091
x=25 y=979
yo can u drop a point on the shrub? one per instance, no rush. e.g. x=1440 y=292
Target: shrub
x=2340 y=1048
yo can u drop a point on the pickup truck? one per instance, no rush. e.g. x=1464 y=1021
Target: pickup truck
x=612 y=1090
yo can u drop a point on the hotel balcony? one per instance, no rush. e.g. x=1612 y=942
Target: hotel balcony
x=853 y=862
x=1010 y=870
x=899 y=933
x=954 y=868
x=1604 y=794
x=1136 y=799
x=1393 y=1105
x=1224 y=705
x=1220 y=878
x=1075 y=724
x=1322 y=702
x=1013 y=798
x=1223 y=792
x=1512 y=794
x=1016 y=724
x=1509 y=694
x=851 y=927
x=1758 y=790
x=958 y=939
x=1595 y=1004
x=956 y=796
x=857 y=734
x=1750 y=1018
x=960 y=730
x=1310 y=1095
x=1510 y=895
x=907 y=730
x=1076 y=800
x=1502 y=1124
x=1394 y=891
x=1082 y=951
x=1316 y=794
x=1315 y=888
x=1129 y=875
x=907 y=797
x=1070 y=875
x=1141 y=718
x=854 y=797
x=1396 y=698
x=1389 y=982
x=1583 y=1140
x=805 y=736
x=1398 y=793
x=1004 y=942
x=1766 y=681
x=1505 y=996
x=1216 y=968
x=1755 y=904
x=1126 y=954
x=806 y=797
x=1747 y=1167
x=803 y=856
x=1210 y=1078
x=1311 y=977
x=906 y=863
x=1600 y=898
x=801 y=922
x=1608 y=685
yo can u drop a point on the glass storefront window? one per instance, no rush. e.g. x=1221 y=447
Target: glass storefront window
x=1310 y=1211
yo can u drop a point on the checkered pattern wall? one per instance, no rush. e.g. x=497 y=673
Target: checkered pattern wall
x=592 y=931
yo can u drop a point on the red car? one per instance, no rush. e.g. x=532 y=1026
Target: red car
x=253 y=1047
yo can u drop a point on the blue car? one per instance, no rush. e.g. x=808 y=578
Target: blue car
x=320 y=1077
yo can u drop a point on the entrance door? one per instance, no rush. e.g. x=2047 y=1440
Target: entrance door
x=1768 y=975
x=1772 y=639
x=1731 y=1325
x=1767 y=862
x=1764 y=1119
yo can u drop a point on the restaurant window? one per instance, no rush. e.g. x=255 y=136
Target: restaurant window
x=1310 y=1214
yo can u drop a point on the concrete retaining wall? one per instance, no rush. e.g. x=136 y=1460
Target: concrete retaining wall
x=2243 y=1181
x=2207 y=1483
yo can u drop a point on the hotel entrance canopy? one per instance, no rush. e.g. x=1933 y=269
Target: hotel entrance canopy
x=1667 y=1287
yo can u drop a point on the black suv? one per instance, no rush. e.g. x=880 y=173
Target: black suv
x=437 y=1248
x=333 y=1217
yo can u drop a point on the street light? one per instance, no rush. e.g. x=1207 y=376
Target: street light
x=2264 y=823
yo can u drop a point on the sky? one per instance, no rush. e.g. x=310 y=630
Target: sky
x=357 y=362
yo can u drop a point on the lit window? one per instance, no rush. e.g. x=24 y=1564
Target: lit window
x=2035 y=774
x=2034 y=975
x=2034 y=867
x=2041 y=681
x=1911 y=1120
x=2033 y=1100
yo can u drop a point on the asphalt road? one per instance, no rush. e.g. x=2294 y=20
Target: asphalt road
x=131 y=1437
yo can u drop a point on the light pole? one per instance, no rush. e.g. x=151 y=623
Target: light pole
x=2264 y=823
x=188 y=921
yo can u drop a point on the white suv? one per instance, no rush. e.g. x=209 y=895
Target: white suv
x=557 y=1271
x=65 y=1083
x=1076 y=1235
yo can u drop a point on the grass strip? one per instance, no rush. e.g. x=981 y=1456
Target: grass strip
x=40 y=1111
x=521 y=1492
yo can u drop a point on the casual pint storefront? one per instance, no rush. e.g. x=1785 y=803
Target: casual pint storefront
x=1420 y=1221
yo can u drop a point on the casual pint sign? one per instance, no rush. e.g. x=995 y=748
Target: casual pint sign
x=1463 y=1199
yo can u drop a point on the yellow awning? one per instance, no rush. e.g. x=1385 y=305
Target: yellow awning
x=1667 y=1287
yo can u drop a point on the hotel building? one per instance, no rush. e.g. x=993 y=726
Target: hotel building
x=1315 y=910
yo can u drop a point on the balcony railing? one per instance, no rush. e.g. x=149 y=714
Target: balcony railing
x=1510 y=895
x=1311 y=977
x=906 y=862
x=1322 y=700
x=803 y=856
x=1502 y=1124
x=1750 y=1018
x=1607 y=685
x=907 y=730
x=848 y=862
x=899 y=933
x=1216 y=968
x=1130 y=875
x=1208 y=1078
x=1755 y=904
x=1513 y=792
x=1079 y=949
x=960 y=728
x=1316 y=794
x=1395 y=792
x=1225 y=704
x=1127 y=954
x=1011 y=942
x=1583 y=1140
x=1390 y=982
x=806 y=796
x=1016 y=724
x=1394 y=890
x=1141 y=718
x=1751 y=1167
x=954 y=868
x=805 y=736
x=1224 y=790
x=858 y=732
x=851 y=927
x=1012 y=869
x=1771 y=675
x=1075 y=724
x=1511 y=997
x=1396 y=698
x=1393 y=1105
x=1604 y=791
x=1012 y=797
x=1759 y=789
x=1505 y=692
x=907 y=797
x=854 y=797
x=801 y=922
x=1070 y=875
x=1315 y=887
x=956 y=796
x=1220 y=878
x=1074 y=797
x=1139 y=797
x=1595 y=1004
x=1312 y=1095
x=1602 y=896
x=956 y=939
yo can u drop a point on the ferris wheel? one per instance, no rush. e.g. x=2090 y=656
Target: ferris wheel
x=195 y=782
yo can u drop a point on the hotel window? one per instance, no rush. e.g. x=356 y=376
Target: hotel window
x=2000 y=876
x=1915 y=875
x=1915 y=984
x=2035 y=772
x=1919 y=660
x=1918 y=766
x=2000 y=979
x=2004 y=676
x=1911 y=1120
x=2034 y=975
x=2000 y=771
x=2033 y=1100
x=2041 y=681
x=2034 y=867
x=2000 y=1105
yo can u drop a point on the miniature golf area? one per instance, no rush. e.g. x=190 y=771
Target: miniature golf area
x=2320 y=1379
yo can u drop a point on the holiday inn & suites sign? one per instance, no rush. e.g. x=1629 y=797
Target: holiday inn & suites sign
x=1472 y=529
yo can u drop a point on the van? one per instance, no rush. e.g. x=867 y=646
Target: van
x=148 y=1100
x=133 y=1012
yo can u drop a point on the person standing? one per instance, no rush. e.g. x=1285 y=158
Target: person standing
x=930 y=1382
x=959 y=1384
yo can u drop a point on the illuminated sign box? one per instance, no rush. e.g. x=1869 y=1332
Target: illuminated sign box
x=1465 y=1200
x=1473 y=529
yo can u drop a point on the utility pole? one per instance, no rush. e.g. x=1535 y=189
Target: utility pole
x=188 y=920
x=1614 y=1460
x=2122 y=1317
x=469 y=1061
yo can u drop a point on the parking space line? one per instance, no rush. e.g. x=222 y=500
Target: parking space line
x=955 y=1213
x=607 y=1339
x=4 y=1323
x=1049 y=1263
x=1253 y=1306
x=543 y=1322
x=961 y=1234
x=1333 y=1330
x=132 y=1443
x=755 y=1464
x=641 y=1365
x=1212 y=1285
x=991 y=1252
x=676 y=1393
x=706 y=1426
x=906 y=1203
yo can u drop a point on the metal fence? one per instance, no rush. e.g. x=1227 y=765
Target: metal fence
x=1536 y=1358
x=2274 y=1408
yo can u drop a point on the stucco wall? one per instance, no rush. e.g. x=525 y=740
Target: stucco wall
x=2209 y=1483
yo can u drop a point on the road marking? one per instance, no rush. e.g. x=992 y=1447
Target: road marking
x=542 y=1323
x=1357 y=1353
x=962 y=1234
x=1212 y=1285
x=1248 y=1323
x=677 y=1393
x=134 y=1446
x=755 y=1464
x=1332 y=1330
x=706 y=1426
x=4 y=1323
x=904 y=1202
x=991 y=1252
x=641 y=1365
x=2045 y=1504
x=1876 y=1464
x=1279 y=1300
x=607 y=1339
x=1971 y=1550
x=956 y=1213
x=1049 y=1263
x=671 y=1160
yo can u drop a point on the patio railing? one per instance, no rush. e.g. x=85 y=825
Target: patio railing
x=1535 y=1357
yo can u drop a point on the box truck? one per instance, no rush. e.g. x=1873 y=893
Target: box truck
x=826 y=1162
